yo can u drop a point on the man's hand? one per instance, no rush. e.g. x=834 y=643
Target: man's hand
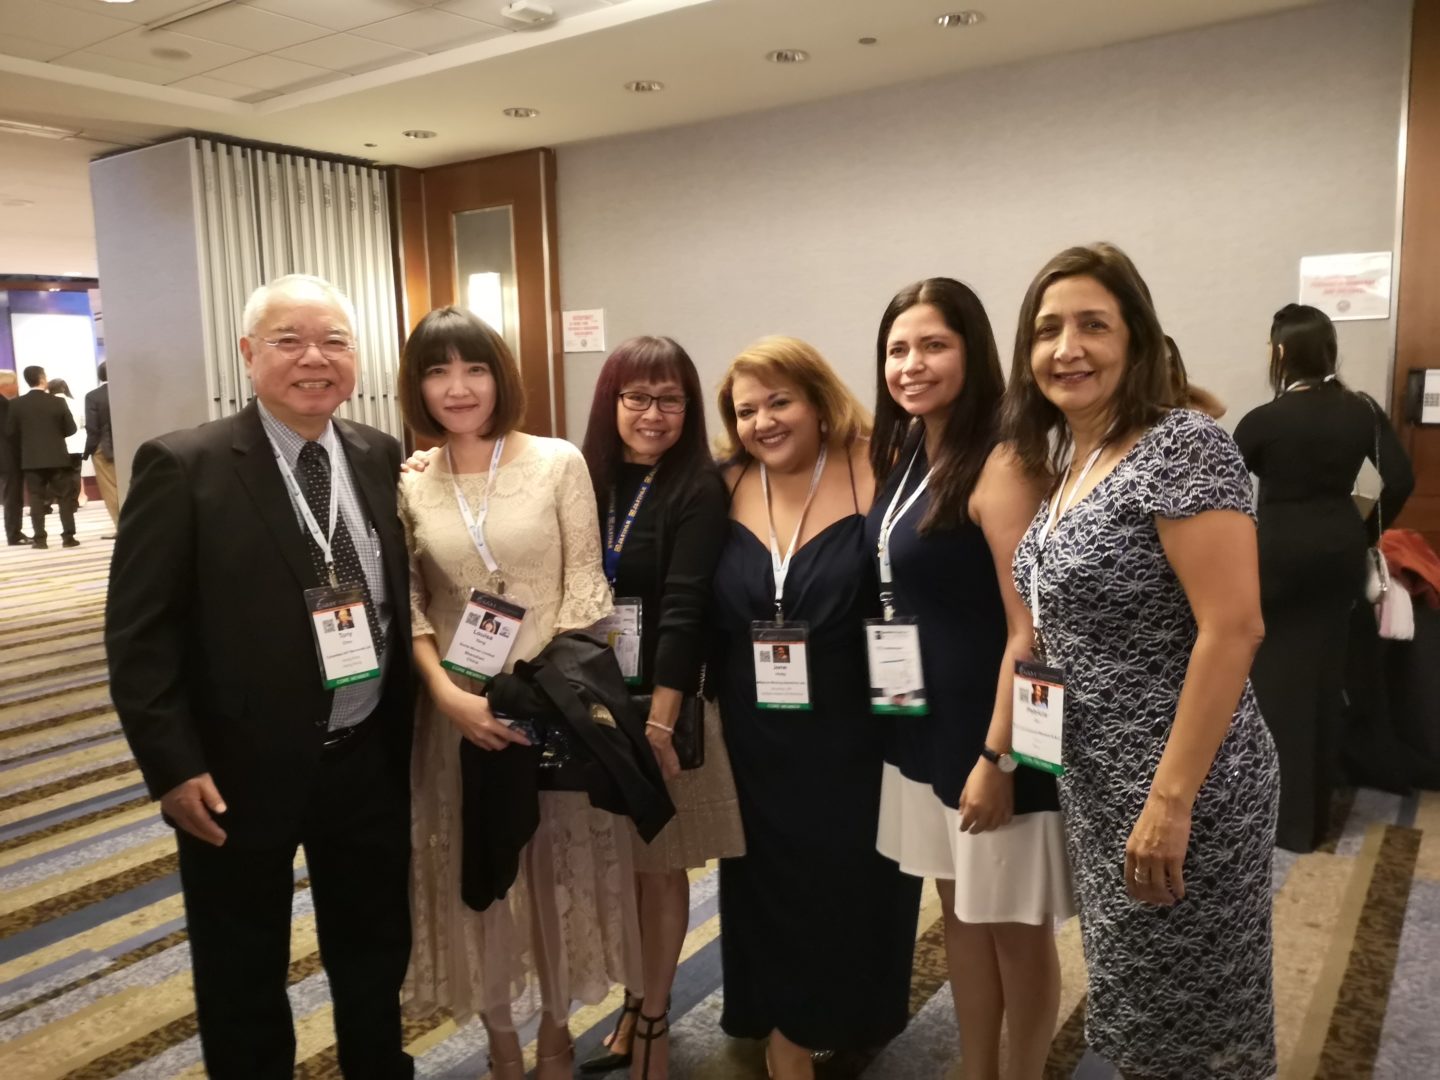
x=190 y=805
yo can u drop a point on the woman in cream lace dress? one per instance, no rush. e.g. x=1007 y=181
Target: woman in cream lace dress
x=567 y=929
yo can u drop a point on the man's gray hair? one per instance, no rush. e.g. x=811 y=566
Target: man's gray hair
x=259 y=303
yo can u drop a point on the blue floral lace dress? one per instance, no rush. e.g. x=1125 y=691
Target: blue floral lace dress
x=1182 y=992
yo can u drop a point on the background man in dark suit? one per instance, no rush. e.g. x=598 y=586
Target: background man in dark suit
x=12 y=480
x=41 y=422
x=215 y=675
x=100 y=444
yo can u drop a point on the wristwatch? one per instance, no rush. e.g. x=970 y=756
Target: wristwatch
x=1004 y=762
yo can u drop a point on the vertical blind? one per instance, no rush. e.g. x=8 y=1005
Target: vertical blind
x=265 y=214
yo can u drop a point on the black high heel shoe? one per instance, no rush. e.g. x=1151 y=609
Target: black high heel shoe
x=606 y=1058
x=647 y=1030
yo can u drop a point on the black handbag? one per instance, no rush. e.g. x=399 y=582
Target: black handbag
x=689 y=735
x=563 y=759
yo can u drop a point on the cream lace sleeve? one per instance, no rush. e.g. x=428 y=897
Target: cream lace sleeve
x=586 y=596
x=419 y=594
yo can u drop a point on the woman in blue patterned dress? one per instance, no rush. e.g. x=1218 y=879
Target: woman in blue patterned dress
x=1143 y=580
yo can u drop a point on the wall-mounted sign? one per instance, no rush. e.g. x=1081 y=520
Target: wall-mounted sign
x=1347 y=286
x=584 y=330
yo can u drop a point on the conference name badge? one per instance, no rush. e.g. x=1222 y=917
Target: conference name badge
x=482 y=643
x=782 y=666
x=621 y=631
x=1038 y=720
x=343 y=639
x=897 y=679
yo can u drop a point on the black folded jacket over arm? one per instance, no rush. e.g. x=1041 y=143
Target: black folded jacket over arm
x=575 y=681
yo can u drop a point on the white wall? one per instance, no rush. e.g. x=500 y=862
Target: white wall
x=1215 y=158
x=147 y=237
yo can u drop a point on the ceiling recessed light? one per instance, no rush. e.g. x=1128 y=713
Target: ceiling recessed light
x=644 y=86
x=117 y=1
x=167 y=53
x=787 y=56
x=418 y=133
x=521 y=113
x=868 y=40
x=960 y=18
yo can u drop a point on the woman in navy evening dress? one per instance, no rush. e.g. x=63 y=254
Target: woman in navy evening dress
x=818 y=929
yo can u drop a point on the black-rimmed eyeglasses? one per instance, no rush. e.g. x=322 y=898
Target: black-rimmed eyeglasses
x=635 y=401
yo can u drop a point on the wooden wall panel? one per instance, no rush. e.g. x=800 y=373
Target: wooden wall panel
x=425 y=202
x=1418 y=327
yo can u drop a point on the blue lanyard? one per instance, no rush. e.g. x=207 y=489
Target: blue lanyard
x=615 y=542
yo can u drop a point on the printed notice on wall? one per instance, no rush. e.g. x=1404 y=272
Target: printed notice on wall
x=1347 y=286
x=584 y=330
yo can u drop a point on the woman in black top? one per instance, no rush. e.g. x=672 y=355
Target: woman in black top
x=1307 y=447
x=663 y=520
x=953 y=505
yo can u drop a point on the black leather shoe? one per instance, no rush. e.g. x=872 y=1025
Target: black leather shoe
x=20 y=541
x=38 y=544
x=69 y=541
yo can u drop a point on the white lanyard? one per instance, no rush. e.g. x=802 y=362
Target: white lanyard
x=1302 y=382
x=1058 y=506
x=297 y=496
x=892 y=516
x=779 y=565
x=475 y=523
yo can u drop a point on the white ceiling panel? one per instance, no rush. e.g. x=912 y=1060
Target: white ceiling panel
x=87 y=60
x=139 y=12
x=53 y=25
x=15 y=45
x=251 y=29
x=489 y=10
x=347 y=52
x=429 y=31
x=142 y=46
x=339 y=14
x=204 y=84
x=270 y=73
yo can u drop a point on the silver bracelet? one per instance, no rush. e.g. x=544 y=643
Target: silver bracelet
x=662 y=727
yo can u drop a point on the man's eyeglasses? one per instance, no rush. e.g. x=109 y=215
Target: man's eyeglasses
x=293 y=348
x=635 y=401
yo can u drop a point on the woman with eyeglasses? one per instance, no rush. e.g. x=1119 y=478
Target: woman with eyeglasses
x=662 y=524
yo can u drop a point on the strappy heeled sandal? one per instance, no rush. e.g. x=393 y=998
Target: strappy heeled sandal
x=607 y=1058
x=501 y=1069
x=647 y=1030
x=557 y=1058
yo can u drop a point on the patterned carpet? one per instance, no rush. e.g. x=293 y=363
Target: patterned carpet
x=94 y=965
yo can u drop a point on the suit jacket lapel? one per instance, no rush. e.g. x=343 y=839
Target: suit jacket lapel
x=255 y=465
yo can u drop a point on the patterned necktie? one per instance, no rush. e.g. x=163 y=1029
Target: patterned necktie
x=312 y=472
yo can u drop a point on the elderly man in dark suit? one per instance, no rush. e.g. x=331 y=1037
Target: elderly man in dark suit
x=41 y=422
x=255 y=726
